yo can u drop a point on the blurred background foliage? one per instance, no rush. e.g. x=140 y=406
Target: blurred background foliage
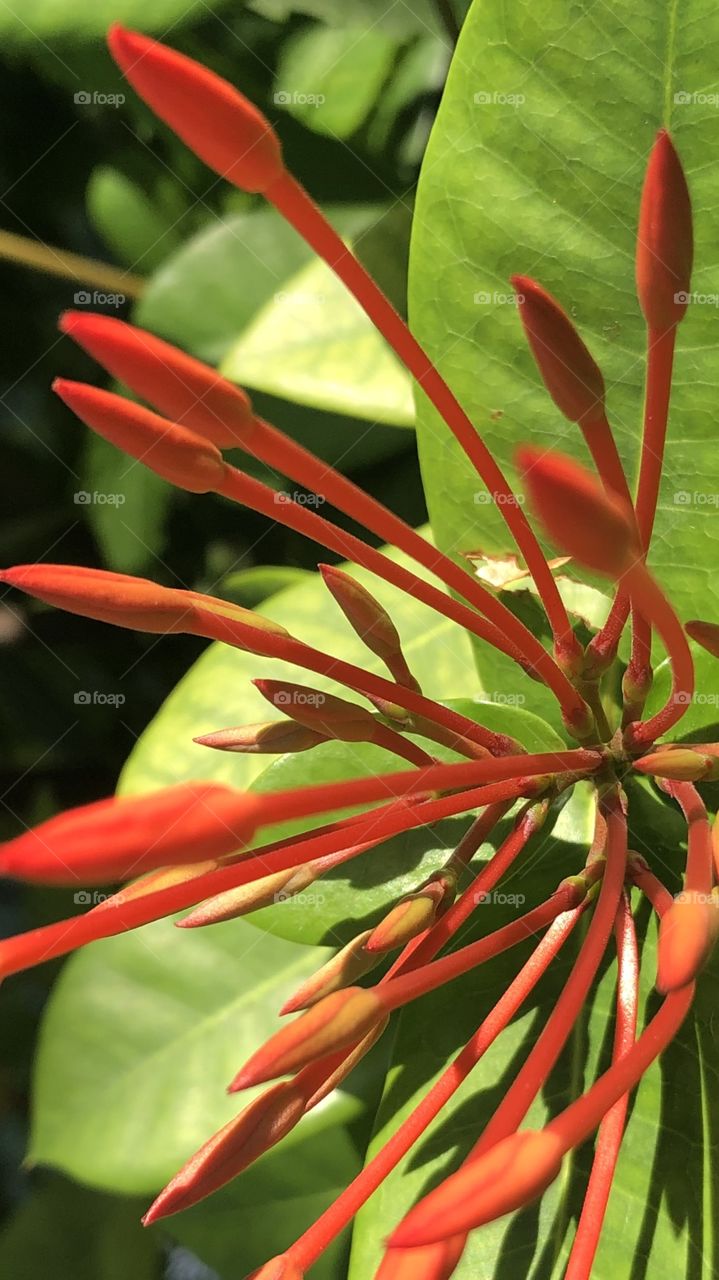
x=102 y=208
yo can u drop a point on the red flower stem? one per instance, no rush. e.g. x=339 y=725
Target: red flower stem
x=698 y=876
x=557 y=1029
x=605 y=455
x=660 y=360
x=582 y=1116
x=294 y=203
x=454 y=917
x=419 y=982
x=602 y=648
x=312 y=1243
x=611 y=1130
x=278 y=450
x=648 y=599
x=49 y=941
x=500 y=628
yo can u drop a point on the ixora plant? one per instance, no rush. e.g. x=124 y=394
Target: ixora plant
x=196 y=844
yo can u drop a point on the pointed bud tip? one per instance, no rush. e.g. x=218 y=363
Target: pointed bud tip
x=216 y=121
x=665 y=244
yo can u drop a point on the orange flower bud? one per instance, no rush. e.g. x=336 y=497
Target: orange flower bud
x=121 y=837
x=687 y=933
x=578 y=514
x=665 y=243
x=236 y=1146
x=281 y=1268
x=433 y=1262
x=706 y=634
x=275 y=737
x=679 y=765
x=249 y=897
x=509 y=1175
x=334 y=717
x=411 y=916
x=569 y=372
x=343 y=970
x=183 y=389
x=219 y=124
x=338 y=1020
x=178 y=455
x=370 y=620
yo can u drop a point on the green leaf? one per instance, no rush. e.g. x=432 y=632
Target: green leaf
x=126 y=506
x=136 y=229
x=521 y=175
x=217 y=692
x=250 y=587
x=313 y=343
x=330 y=78
x=36 y=19
x=141 y=1037
x=667 y=1167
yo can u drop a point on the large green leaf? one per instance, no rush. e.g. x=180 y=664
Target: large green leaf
x=535 y=165
x=329 y=79
x=667 y=1167
x=312 y=343
x=141 y=1037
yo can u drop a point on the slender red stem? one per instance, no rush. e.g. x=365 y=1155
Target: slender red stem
x=698 y=876
x=500 y=628
x=294 y=203
x=605 y=455
x=611 y=1130
x=312 y=1243
x=651 y=602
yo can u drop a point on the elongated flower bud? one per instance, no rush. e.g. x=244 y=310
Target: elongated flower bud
x=680 y=765
x=275 y=737
x=370 y=620
x=569 y=372
x=323 y=712
x=264 y=892
x=433 y=1262
x=135 y=603
x=687 y=933
x=121 y=837
x=180 y=387
x=338 y=1020
x=510 y=1175
x=178 y=455
x=411 y=916
x=578 y=514
x=216 y=121
x=236 y=1146
x=706 y=634
x=665 y=243
x=343 y=970
x=154 y=882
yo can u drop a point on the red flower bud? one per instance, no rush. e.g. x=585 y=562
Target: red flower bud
x=281 y=1268
x=433 y=1262
x=665 y=244
x=121 y=837
x=569 y=372
x=679 y=764
x=334 y=717
x=249 y=897
x=370 y=620
x=411 y=916
x=175 y=453
x=338 y=1020
x=276 y=737
x=183 y=389
x=216 y=121
x=687 y=933
x=706 y=634
x=509 y=1175
x=260 y=1126
x=343 y=970
x=578 y=514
